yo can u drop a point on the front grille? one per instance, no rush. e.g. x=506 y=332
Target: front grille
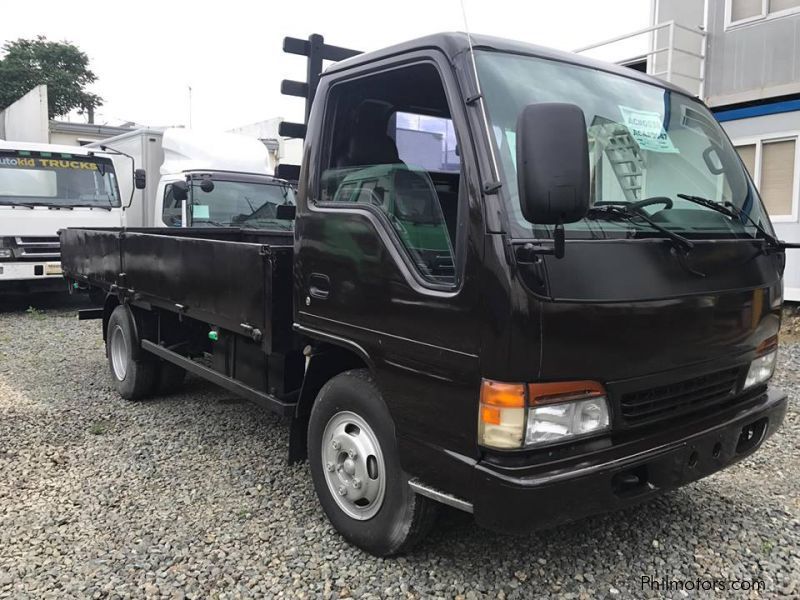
x=28 y=240
x=37 y=248
x=715 y=390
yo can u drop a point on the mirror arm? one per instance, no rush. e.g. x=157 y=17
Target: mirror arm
x=108 y=149
x=529 y=251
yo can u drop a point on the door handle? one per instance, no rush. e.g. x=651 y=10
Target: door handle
x=319 y=286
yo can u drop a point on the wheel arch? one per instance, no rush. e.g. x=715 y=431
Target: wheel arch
x=325 y=360
x=109 y=305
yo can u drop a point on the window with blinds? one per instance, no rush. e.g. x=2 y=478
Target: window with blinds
x=772 y=165
x=777 y=176
x=745 y=9
x=742 y=11
x=748 y=154
x=779 y=5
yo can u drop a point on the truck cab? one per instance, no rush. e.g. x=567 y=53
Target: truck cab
x=44 y=188
x=600 y=336
x=173 y=163
x=525 y=284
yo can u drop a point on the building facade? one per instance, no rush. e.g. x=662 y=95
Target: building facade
x=26 y=121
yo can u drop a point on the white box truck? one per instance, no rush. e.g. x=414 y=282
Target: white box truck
x=45 y=188
x=197 y=179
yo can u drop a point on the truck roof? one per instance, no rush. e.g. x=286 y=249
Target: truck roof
x=34 y=147
x=190 y=150
x=454 y=43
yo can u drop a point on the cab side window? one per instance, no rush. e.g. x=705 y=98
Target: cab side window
x=171 y=210
x=393 y=147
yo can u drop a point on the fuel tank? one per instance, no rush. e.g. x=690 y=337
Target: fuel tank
x=616 y=309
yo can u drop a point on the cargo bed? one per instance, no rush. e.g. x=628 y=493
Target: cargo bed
x=236 y=279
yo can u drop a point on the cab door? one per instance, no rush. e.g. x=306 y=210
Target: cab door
x=391 y=273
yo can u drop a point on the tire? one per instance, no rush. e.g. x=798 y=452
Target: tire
x=133 y=379
x=169 y=378
x=355 y=467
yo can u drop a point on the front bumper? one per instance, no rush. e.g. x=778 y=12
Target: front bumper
x=30 y=277
x=520 y=499
x=16 y=271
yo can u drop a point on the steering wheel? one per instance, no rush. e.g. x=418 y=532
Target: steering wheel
x=638 y=206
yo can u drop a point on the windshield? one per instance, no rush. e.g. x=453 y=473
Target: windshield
x=645 y=143
x=232 y=204
x=57 y=179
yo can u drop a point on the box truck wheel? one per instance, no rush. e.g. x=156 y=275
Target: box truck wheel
x=356 y=468
x=133 y=379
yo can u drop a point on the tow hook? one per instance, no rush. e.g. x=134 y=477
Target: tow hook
x=751 y=436
x=254 y=333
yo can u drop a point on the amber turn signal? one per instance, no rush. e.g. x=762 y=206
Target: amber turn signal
x=501 y=415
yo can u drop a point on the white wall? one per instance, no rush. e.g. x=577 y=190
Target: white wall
x=689 y=13
x=26 y=120
x=74 y=139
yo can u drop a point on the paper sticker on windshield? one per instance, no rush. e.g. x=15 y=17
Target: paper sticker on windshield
x=200 y=211
x=646 y=128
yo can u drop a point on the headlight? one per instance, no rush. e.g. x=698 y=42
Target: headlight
x=555 y=422
x=761 y=369
x=555 y=412
x=6 y=253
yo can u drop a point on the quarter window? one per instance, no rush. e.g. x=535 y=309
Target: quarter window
x=172 y=214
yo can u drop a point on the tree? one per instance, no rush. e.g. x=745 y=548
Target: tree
x=62 y=66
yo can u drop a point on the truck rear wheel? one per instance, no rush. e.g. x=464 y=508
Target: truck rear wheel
x=356 y=470
x=133 y=379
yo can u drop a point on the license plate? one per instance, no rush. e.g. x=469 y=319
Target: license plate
x=52 y=269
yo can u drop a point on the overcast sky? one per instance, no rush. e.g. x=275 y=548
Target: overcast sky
x=147 y=53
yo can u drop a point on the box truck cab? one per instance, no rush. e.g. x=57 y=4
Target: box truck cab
x=201 y=179
x=44 y=188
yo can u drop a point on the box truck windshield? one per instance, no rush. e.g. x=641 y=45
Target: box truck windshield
x=57 y=180
x=647 y=147
x=230 y=204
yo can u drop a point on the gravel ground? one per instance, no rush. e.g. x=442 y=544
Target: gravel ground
x=189 y=496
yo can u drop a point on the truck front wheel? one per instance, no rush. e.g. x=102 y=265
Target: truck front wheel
x=133 y=379
x=356 y=468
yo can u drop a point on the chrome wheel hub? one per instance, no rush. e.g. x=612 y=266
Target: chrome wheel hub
x=354 y=466
x=119 y=352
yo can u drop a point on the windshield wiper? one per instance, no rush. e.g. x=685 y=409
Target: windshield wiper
x=734 y=212
x=22 y=204
x=611 y=212
x=72 y=206
x=100 y=206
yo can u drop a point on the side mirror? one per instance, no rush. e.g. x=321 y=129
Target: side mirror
x=552 y=163
x=180 y=190
x=139 y=179
x=285 y=212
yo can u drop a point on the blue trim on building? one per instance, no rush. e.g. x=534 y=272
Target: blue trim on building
x=759 y=110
